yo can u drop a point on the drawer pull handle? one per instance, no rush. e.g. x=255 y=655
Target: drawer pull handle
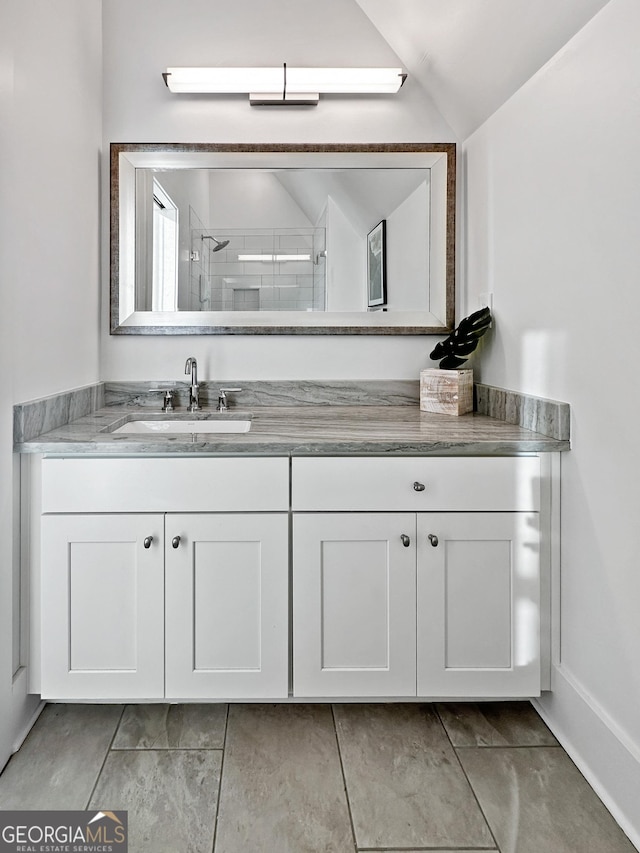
x=405 y=540
x=175 y=542
x=419 y=487
x=433 y=539
x=147 y=541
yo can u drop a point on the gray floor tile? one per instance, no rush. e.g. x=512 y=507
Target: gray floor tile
x=494 y=724
x=536 y=800
x=172 y=727
x=170 y=796
x=404 y=782
x=58 y=764
x=282 y=788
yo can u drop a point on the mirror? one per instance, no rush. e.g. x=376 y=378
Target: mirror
x=282 y=239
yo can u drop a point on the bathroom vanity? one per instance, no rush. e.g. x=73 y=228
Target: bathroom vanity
x=327 y=553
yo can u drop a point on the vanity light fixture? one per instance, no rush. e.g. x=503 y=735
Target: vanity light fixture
x=284 y=85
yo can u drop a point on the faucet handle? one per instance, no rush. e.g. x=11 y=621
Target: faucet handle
x=167 y=404
x=222 y=398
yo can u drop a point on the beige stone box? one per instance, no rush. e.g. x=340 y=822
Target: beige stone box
x=447 y=392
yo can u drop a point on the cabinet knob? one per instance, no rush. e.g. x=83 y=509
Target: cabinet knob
x=175 y=541
x=433 y=539
x=147 y=541
x=419 y=487
x=405 y=540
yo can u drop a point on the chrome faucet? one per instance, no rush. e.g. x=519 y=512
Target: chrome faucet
x=194 y=391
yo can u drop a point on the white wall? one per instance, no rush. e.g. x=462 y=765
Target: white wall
x=143 y=37
x=407 y=254
x=346 y=262
x=553 y=230
x=252 y=200
x=50 y=100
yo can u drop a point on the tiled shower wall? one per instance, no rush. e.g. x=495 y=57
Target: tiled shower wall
x=227 y=281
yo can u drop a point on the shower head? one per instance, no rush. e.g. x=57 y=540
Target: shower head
x=220 y=244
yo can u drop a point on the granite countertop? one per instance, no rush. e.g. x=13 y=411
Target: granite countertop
x=299 y=431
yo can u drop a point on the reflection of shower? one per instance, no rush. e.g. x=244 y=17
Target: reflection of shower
x=220 y=244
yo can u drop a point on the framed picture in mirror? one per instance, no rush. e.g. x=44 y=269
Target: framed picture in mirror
x=377 y=265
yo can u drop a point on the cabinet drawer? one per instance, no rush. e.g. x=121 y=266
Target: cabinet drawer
x=450 y=483
x=165 y=485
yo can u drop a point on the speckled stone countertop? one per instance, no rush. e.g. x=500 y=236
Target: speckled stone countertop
x=298 y=431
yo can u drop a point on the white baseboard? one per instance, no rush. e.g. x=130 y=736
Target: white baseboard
x=605 y=756
x=24 y=731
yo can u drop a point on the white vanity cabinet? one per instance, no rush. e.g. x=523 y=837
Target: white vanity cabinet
x=212 y=578
x=354 y=605
x=227 y=613
x=102 y=607
x=478 y=604
x=416 y=577
x=164 y=578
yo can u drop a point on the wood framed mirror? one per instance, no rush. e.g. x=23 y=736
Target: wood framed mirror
x=273 y=239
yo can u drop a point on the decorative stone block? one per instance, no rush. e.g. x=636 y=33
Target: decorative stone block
x=447 y=392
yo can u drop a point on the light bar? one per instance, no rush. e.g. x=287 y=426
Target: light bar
x=375 y=81
x=284 y=84
x=274 y=258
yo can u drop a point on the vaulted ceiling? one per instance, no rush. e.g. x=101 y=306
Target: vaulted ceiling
x=470 y=56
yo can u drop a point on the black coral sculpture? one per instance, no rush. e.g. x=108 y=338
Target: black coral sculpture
x=455 y=349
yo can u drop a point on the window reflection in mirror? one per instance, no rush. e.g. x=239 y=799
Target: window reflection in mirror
x=164 y=277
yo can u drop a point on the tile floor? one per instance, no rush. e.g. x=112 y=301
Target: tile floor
x=315 y=778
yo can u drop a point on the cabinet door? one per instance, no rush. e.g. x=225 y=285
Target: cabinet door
x=478 y=605
x=227 y=606
x=354 y=605
x=102 y=606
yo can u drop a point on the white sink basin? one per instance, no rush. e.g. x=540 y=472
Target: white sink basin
x=169 y=426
